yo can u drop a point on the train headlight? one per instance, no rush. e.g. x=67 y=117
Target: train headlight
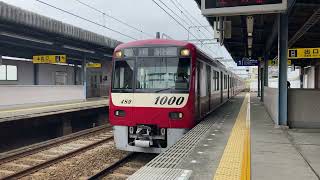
x=120 y=113
x=131 y=130
x=118 y=54
x=176 y=115
x=163 y=131
x=185 y=52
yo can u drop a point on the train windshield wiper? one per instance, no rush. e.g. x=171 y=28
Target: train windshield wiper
x=161 y=90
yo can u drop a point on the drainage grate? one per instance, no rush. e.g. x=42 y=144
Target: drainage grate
x=165 y=164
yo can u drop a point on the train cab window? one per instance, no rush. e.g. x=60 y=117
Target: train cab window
x=162 y=74
x=123 y=74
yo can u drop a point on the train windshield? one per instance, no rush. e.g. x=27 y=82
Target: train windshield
x=123 y=75
x=162 y=74
x=152 y=74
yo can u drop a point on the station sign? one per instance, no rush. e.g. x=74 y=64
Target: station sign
x=94 y=65
x=49 y=59
x=304 y=53
x=241 y=7
x=247 y=62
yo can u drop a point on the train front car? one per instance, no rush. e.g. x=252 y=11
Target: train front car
x=152 y=94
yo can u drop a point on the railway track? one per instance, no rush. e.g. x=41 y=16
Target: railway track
x=25 y=161
x=124 y=167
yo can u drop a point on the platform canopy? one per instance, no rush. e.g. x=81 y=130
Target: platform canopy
x=304 y=31
x=24 y=34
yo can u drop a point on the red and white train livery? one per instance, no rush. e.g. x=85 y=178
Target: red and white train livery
x=161 y=89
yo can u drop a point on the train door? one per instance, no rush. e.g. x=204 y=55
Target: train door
x=221 y=87
x=228 y=84
x=197 y=93
x=209 y=86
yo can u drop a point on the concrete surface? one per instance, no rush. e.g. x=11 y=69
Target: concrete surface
x=40 y=110
x=304 y=108
x=29 y=95
x=276 y=153
x=271 y=102
x=308 y=143
x=273 y=156
x=205 y=158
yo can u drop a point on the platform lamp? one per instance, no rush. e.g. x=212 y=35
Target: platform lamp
x=250 y=22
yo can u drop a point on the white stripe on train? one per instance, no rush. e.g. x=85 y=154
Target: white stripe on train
x=158 y=100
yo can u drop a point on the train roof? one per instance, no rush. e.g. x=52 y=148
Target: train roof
x=153 y=42
x=203 y=55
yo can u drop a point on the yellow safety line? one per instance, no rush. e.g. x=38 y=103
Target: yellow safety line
x=48 y=106
x=235 y=161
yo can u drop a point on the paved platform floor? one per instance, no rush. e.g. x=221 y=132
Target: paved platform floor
x=273 y=153
x=39 y=110
x=229 y=149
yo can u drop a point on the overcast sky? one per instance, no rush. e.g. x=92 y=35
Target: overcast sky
x=143 y=14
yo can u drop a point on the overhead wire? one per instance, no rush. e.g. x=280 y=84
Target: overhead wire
x=114 y=18
x=178 y=21
x=175 y=14
x=177 y=4
x=177 y=7
x=85 y=19
x=195 y=19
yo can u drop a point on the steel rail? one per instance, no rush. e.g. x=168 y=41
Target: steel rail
x=43 y=165
x=29 y=150
x=108 y=170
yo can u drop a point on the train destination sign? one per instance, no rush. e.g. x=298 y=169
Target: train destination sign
x=240 y=7
x=49 y=59
x=304 y=53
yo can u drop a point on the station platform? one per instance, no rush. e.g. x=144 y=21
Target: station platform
x=42 y=109
x=239 y=141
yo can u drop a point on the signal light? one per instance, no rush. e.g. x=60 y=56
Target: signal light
x=120 y=113
x=176 y=115
x=163 y=131
x=131 y=130
x=185 y=52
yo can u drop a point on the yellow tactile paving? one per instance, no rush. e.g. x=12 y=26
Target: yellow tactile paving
x=235 y=161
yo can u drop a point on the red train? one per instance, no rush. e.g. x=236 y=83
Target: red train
x=161 y=89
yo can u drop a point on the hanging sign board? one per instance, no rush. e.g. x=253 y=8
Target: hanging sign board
x=241 y=7
x=247 y=62
x=304 y=53
x=94 y=65
x=49 y=59
x=275 y=62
